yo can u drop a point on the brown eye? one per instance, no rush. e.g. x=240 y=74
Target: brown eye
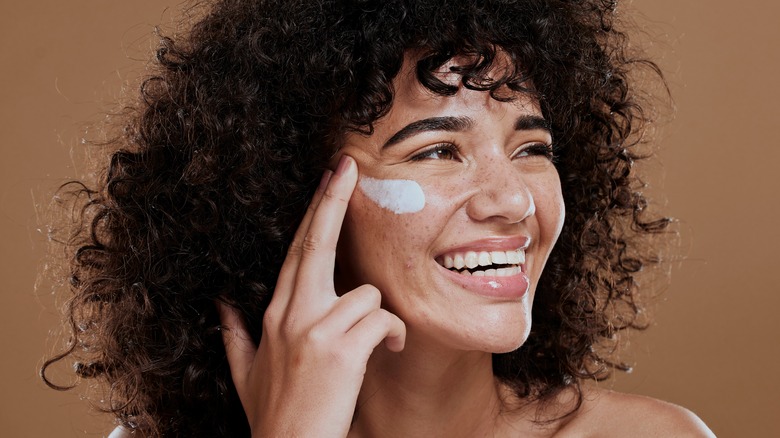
x=536 y=150
x=438 y=152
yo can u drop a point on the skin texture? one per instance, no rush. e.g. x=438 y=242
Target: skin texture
x=493 y=188
x=433 y=374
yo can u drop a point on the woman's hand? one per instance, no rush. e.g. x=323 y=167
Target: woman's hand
x=304 y=378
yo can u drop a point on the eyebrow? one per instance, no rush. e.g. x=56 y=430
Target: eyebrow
x=450 y=124
x=531 y=123
x=459 y=124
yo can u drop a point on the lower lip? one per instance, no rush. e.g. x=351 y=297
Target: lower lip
x=512 y=287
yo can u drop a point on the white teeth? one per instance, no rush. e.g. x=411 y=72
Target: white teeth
x=472 y=260
x=458 y=262
x=484 y=259
x=499 y=257
x=449 y=262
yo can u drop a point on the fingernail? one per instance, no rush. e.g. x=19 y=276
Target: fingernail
x=325 y=178
x=344 y=164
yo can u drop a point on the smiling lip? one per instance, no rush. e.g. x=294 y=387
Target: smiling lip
x=505 y=287
x=511 y=288
x=491 y=244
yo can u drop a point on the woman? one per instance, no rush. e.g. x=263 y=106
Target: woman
x=467 y=169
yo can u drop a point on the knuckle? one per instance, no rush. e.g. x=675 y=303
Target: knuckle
x=315 y=243
x=383 y=317
x=270 y=319
x=311 y=242
x=278 y=321
x=371 y=294
x=330 y=195
x=294 y=250
x=317 y=339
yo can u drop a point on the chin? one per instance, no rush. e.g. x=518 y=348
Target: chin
x=507 y=345
x=503 y=339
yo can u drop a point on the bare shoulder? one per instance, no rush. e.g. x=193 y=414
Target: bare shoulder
x=606 y=413
x=122 y=432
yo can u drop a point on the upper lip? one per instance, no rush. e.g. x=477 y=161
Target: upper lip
x=508 y=243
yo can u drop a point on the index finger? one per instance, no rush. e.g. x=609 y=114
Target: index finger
x=286 y=280
x=318 y=248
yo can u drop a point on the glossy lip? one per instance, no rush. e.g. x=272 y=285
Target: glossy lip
x=510 y=288
x=509 y=243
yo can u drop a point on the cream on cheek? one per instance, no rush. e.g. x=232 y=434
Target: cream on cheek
x=397 y=195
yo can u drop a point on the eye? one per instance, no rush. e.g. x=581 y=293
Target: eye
x=444 y=151
x=542 y=150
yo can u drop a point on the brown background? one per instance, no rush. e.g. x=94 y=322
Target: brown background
x=714 y=346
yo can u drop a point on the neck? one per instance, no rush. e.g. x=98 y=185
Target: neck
x=428 y=390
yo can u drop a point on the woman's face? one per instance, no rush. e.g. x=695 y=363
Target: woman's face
x=447 y=183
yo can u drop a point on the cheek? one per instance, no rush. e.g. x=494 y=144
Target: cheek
x=550 y=209
x=363 y=231
x=384 y=210
x=374 y=240
x=380 y=246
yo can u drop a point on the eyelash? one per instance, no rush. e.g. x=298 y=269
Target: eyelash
x=534 y=149
x=439 y=148
x=540 y=149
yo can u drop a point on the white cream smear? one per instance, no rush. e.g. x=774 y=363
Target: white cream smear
x=397 y=195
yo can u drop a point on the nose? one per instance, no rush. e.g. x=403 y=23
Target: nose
x=502 y=194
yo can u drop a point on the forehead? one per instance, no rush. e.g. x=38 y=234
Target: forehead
x=414 y=101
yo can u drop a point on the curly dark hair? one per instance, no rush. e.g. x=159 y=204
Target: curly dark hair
x=225 y=147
